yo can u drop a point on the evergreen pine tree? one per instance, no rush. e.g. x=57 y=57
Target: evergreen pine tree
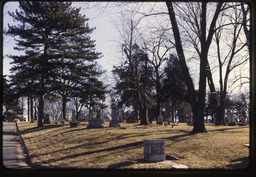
x=56 y=45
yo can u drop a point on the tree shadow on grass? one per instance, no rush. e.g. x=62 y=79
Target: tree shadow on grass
x=121 y=164
x=130 y=145
x=239 y=163
x=224 y=129
x=186 y=133
x=35 y=129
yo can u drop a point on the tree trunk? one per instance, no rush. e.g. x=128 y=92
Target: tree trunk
x=136 y=113
x=143 y=112
x=143 y=116
x=158 y=97
x=89 y=112
x=64 y=105
x=199 y=108
x=173 y=112
x=35 y=113
x=41 y=104
x=28 y=108
x=198 y=111
x=198 y=119
x=220 y=118
x=31 y=108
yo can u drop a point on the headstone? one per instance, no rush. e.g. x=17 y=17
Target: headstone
x=95 y=123
x=46 y=119
x=243 y=122
x=114 y=122
x=169 y=119
x=160 y=118
x=191 y=123
x=102 y=115
x=231 y=119
x=154 y=150
x=83 y=117
x=120 y=115
x=73 y=122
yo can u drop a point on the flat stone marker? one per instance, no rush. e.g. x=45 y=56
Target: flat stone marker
x=180 y=166
x=154 y=150
x=174 y=165
x=247 y=145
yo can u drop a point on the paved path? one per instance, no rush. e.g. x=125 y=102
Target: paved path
x=13 y=156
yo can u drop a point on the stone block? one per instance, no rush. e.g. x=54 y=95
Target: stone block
x=73 y=124
x=95 y=123
x=154 y=150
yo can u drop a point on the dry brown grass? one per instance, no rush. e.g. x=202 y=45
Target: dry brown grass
x=60 y=146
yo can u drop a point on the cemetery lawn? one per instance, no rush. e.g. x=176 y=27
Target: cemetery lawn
x=59 y=146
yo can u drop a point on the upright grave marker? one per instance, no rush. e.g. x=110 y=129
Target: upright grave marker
x=73 y=122
x=114 y=109
x=160 y=118
x=95 y=122
x=46 y=119
x=231 y=119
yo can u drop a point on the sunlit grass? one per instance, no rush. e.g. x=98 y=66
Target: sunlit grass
x=59 y=146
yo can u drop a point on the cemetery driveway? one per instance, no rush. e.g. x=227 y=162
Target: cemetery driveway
x=13 y=156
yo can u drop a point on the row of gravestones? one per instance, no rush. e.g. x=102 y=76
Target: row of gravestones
x=231 y=120
x=97 y=122
x=93 y=122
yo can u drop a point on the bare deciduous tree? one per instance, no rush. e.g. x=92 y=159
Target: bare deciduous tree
x=158 y=48
x=229 y=44
x=197 y=101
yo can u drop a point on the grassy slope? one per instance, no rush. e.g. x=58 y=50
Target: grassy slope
x=62 y=146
